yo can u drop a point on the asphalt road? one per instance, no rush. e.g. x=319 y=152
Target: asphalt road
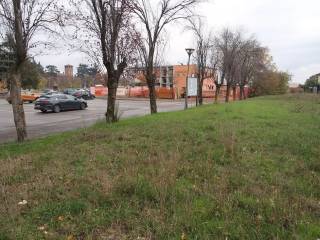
x=42 y=124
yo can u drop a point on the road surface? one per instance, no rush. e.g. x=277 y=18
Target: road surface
x=42 y=124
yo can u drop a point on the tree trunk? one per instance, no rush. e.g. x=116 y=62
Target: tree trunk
x=228 y=93
x=241 y=92
x=17 y=106
x=200 y=96
x=153 y=99
x=216 y=97
x=234 y=93
x=112 y=114
x=152 y=91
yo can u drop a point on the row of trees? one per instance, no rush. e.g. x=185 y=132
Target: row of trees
x=121 y=33
x=86 y=75
x=128 y=33
x=124 y=30
x=234 y=60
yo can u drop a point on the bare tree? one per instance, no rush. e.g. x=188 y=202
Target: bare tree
x=247 y=59
x=108 y=37
x=23 y=20
x=218 y=62
x=232 y=50
x=227 y=45
x=155 y=16
x=204 y=48
x=238 y=61
x=218 y=69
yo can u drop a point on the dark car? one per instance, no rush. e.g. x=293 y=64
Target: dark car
x=48 y=92
x=69 y=91
x=85 y=94
x=59 y=102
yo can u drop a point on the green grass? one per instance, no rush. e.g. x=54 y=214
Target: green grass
x=245 y=170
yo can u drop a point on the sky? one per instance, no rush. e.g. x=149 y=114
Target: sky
x=289 y=28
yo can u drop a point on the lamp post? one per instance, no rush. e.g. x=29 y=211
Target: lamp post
x=189 y=52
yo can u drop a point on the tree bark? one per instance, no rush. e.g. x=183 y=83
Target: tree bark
x=200 y=95
x=15 y=86
x=151 y=84
x=153 y=98
x=17 y=106
x=151 y=79
x=234 y=93
x=228 y=93
x=216 y=97
x=241 y=92
x=111 y=114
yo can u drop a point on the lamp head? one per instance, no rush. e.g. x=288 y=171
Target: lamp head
x=189 y=51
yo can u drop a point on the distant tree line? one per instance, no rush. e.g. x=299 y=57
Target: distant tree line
x=35 y=76
x=312 y=82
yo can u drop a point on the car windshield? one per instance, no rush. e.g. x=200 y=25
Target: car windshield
x=45 y=97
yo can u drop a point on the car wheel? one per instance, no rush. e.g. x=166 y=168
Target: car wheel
x=43 y=110
x=56 y=109
x=82 y=106
x=30 y=101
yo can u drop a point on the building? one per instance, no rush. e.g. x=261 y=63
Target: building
x=295 y=88
x=68 y=72
x=173 y=77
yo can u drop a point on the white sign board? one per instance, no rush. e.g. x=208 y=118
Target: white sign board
x=192 y=86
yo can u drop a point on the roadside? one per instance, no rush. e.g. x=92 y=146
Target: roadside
x=39 y=124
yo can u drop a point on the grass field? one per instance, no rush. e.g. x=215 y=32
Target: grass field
x=245 y=170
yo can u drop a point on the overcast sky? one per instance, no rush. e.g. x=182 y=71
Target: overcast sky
x=290 y=28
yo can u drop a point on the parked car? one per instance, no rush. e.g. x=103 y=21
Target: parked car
x=70 y=91
x=85 y=94
x=59 y=102
x=26 y=96
x=48 y=92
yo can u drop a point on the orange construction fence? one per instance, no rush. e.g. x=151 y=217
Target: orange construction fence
x=165 y=93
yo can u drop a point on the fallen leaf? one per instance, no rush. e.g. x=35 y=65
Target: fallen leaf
x=183 y=236
x=71 y=237
x=41 y=228
x=23 y=202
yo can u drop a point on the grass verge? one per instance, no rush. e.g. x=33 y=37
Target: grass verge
x=246 y=170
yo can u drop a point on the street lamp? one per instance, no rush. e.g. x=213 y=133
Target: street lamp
x=189 y=52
